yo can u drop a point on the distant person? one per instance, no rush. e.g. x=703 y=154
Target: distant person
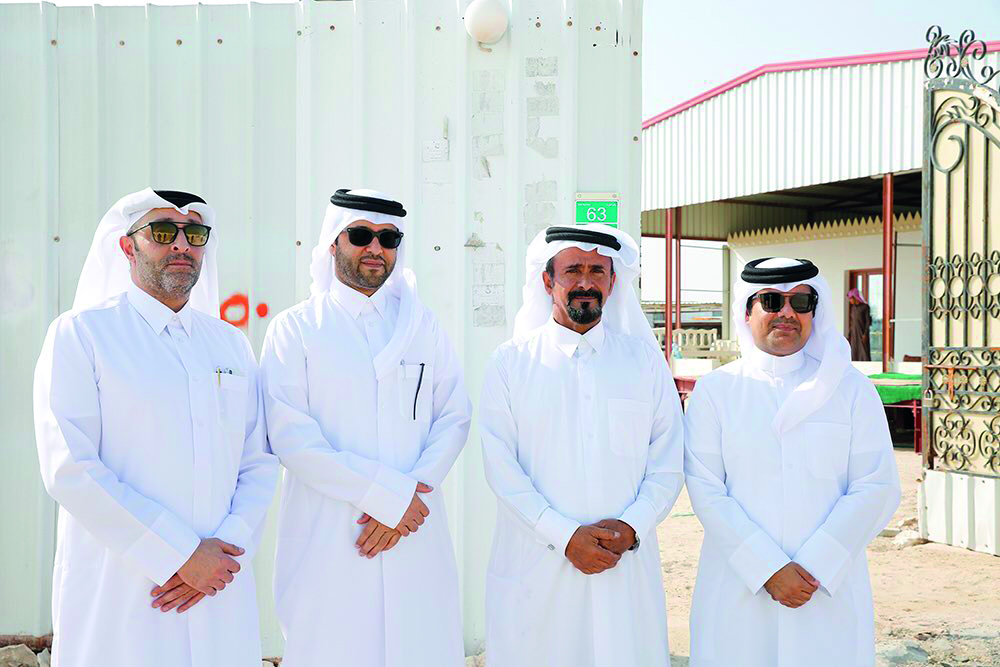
x=859 y=324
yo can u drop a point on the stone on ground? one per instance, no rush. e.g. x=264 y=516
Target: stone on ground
x=17 y=656
x=900 y=653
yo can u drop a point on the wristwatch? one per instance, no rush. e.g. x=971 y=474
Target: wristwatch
x=635 y=545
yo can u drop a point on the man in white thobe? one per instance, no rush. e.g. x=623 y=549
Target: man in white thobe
x=791 y=471
x=151 y=437
x=367 y=411
x=583 y=446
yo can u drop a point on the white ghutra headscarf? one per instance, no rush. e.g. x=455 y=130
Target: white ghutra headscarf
x=349 y=206
x=621 y=312
x=106 y=269
x=826 y=344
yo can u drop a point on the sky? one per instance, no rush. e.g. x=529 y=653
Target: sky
x=690 y=47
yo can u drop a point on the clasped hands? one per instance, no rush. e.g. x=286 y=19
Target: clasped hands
x=206 y=572
x=211 y=566
x=597 y=547
x=792 y=586
x=376 y=537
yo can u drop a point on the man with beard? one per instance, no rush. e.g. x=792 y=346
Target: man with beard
x=790 y=470
x=583 y=446
x=367 y=411
x=151 y=437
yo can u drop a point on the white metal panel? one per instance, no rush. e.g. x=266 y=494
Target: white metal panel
x=935 y=506
x=986 y=500
x=963 y=524
x=265 y=109
x=28 y=293
x=960 y=510
x=789 y=129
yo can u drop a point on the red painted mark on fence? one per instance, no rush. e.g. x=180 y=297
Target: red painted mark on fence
x=236 y=310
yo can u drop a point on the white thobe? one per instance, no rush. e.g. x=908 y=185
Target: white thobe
x=148 y=448
x=577 y=429
x=815 y=494
x=354 y=444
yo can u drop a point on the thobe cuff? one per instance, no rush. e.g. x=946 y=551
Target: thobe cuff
x=641 y=516
x=235 y=530
x=554 y=530
x=163 y=548
x=825 y=559
x=757 y=559
x=388 y=496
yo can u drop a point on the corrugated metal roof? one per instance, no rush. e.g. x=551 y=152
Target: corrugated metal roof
x=265 y=109
x=782 y=127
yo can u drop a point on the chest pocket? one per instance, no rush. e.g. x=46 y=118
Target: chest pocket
x=826 y=447
x=232 y=391
x=415 y=384
x=629 y=423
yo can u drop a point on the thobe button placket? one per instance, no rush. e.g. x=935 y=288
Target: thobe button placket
x=585 y=391
x=201 y=435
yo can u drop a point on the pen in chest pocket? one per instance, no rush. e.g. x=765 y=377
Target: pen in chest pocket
x=416 y=394
x=219 y=371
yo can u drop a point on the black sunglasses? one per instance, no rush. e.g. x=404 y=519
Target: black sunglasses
x=164 y=232
x=362 y=236
x=772 y=302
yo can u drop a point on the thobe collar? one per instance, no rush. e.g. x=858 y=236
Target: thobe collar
x=354 y=302
x=568 y=340
x=156 y=314
x=776 y=366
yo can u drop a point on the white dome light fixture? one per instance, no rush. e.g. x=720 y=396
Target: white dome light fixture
x=486 y=21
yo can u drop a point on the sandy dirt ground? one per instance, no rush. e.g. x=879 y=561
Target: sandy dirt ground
x=934 y=604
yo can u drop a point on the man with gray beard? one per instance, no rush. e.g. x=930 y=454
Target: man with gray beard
x=150 y=432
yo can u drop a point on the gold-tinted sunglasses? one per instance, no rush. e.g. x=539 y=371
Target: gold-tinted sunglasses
x=164 y=232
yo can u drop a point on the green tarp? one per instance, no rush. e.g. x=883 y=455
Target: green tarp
x=896 y=393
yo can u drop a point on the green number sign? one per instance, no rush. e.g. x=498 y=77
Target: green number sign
x=597 y=211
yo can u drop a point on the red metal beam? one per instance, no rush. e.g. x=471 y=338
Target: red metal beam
x=668 y=322
x=888 y=272
x=677 y=267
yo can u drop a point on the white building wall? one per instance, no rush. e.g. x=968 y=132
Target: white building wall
x=266 y=109
x=835 y=257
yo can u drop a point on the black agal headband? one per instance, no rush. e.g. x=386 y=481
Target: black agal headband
x=581 y=236
x=774 y=275
x=345 y=199
x=178 y=198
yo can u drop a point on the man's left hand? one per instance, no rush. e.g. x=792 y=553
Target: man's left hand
x=175 y=594
x=626 y=535
x=375 y=538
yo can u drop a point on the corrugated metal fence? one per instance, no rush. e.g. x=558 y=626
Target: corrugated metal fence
x=265 y=109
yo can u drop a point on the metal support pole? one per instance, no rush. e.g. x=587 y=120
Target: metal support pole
x=668 y=322
x=677 y=268
x=726 y=294
x=888 y=271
